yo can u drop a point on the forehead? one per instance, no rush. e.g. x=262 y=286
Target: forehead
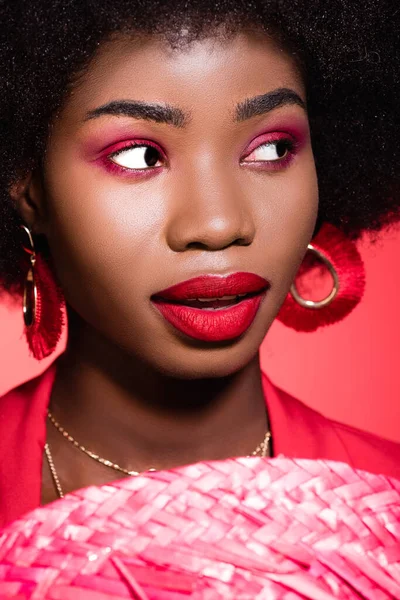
x=214 y=71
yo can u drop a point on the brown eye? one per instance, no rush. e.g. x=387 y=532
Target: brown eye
x=137 y=157
x=270 y=151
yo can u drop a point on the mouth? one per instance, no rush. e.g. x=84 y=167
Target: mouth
x=214 y=287
x=213 y=307
x=209 y=303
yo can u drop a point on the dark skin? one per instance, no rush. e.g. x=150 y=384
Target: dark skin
x=129 y=385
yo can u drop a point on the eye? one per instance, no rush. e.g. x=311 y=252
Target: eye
x=271 y=151
x=137 y=157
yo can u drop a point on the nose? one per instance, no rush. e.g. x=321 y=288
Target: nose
x=210 y=212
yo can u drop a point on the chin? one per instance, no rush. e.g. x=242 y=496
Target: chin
x=206 y=362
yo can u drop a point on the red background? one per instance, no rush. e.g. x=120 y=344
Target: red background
x=349 y=371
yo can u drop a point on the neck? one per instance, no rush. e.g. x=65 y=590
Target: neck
x=124 y=411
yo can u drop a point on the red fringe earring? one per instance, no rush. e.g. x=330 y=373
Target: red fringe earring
x=343 y=260
x=43 y=305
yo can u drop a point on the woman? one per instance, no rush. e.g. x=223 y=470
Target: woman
x=164 y=160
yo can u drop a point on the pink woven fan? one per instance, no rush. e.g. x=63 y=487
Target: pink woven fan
x=247 y=528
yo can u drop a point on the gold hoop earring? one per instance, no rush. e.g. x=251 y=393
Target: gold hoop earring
x=317 y=304
x=343 y=260
x=43 y=304
x=29 y=305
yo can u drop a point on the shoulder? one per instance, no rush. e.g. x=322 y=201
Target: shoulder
x=370 y=452
x=303 y=432
x=28 y=390
x=25 y=405
x=22 y=439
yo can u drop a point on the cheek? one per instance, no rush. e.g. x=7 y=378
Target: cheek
x=291 y=202
x=287 y=221
x=101 y=231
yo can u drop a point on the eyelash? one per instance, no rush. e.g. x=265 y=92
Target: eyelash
x=276 y=165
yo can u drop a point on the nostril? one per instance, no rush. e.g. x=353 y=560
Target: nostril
x=196 y=246
x=243 y=242
x=205 y=246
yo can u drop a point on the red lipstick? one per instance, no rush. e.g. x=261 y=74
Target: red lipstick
x=213 y=308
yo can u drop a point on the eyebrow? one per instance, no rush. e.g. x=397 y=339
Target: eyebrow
x=172 y=115
x=159 y=113
x=260 y=105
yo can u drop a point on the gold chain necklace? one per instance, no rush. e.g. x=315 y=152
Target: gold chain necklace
x=261 y=450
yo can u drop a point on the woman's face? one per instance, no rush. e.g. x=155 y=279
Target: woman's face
x=165 y=165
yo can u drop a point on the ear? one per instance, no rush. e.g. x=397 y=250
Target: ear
x=28 y=196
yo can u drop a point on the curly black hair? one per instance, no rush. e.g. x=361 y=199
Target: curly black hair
x=348 y=52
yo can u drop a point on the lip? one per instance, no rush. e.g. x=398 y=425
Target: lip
x=214 y=286
x=206 y=324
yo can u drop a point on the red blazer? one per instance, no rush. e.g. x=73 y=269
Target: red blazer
x=297 y=430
